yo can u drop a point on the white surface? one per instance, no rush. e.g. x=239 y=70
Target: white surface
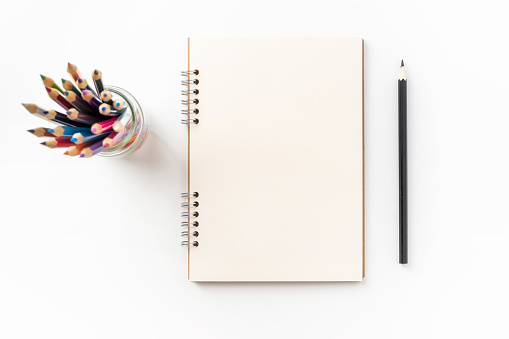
x=62 y=275
x=263 y=150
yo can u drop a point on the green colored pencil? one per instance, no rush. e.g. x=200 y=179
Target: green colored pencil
x=48 y=82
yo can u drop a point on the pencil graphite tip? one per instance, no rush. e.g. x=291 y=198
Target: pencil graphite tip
x=402 y=63
x=96 y=72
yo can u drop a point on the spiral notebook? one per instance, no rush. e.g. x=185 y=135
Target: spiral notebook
x=276 y=164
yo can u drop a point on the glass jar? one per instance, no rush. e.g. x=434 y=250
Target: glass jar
x=136 y=130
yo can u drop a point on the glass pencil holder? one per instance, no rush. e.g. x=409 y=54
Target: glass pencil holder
x=136 y=128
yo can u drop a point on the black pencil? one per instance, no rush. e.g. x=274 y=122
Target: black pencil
x=403 y=189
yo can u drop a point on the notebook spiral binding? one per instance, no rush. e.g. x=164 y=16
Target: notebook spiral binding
x=189 y=233
x=190 y=202
x=190 y=94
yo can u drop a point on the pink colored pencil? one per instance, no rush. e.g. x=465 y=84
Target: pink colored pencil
x=103 y=126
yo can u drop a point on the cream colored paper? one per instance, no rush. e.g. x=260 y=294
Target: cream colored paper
x=277 y=159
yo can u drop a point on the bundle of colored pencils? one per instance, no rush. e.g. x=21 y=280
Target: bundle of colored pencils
x=92 y=121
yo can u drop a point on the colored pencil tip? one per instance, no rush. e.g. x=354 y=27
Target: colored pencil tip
x=96 y=72
x=82 y=155
x=402 y=63
x=84 y=92
x=42 y=76
x=106 y=145
x=31 y=130
x=80 y=80
x=93 y=129
x=48 y=89
x=25 y=105
x=51 y=130
x=74 y=139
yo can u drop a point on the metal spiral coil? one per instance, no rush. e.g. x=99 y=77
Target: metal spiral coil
x=190 y=91
x=190 y=102
x=190 y=234
x=194 y=214
x=190 y=224
x=189 y=205
x=190 y=195
x=190 y=82
x=190 y=111
x=190 y=121
x=187 y=243
x=190 y=72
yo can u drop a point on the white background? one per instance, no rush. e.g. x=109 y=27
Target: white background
x=89 y=248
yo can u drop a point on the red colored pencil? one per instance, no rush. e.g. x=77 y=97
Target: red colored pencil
x=59 y=99
x=58 y=142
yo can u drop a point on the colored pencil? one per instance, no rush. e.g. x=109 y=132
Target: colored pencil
x=58 y=142
x=92 y=100
x=34 y=109
x=61 y=118
x=50 y=115
x=107 y=110
x=76 y=149
x=79 y=103
x=93 y=149
x=74 y=115
x=69 y=86
x=48 y=82
x=59 y=99
x=121 y=122
x=41 y=132
x=116 y=137
x=98 y=81
x=73 y=71
x=79 y=138
x=103 y=126
x=67 y=131
x=118 y=104
x=403 y=187
x=106 y=97
x=83 y=84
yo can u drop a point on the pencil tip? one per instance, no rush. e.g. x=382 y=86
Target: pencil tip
x=42 y=76
x=30 y=130
x=96 y=72
x=402 y=63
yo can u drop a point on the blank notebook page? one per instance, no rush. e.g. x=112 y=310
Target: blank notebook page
x=277 y=158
